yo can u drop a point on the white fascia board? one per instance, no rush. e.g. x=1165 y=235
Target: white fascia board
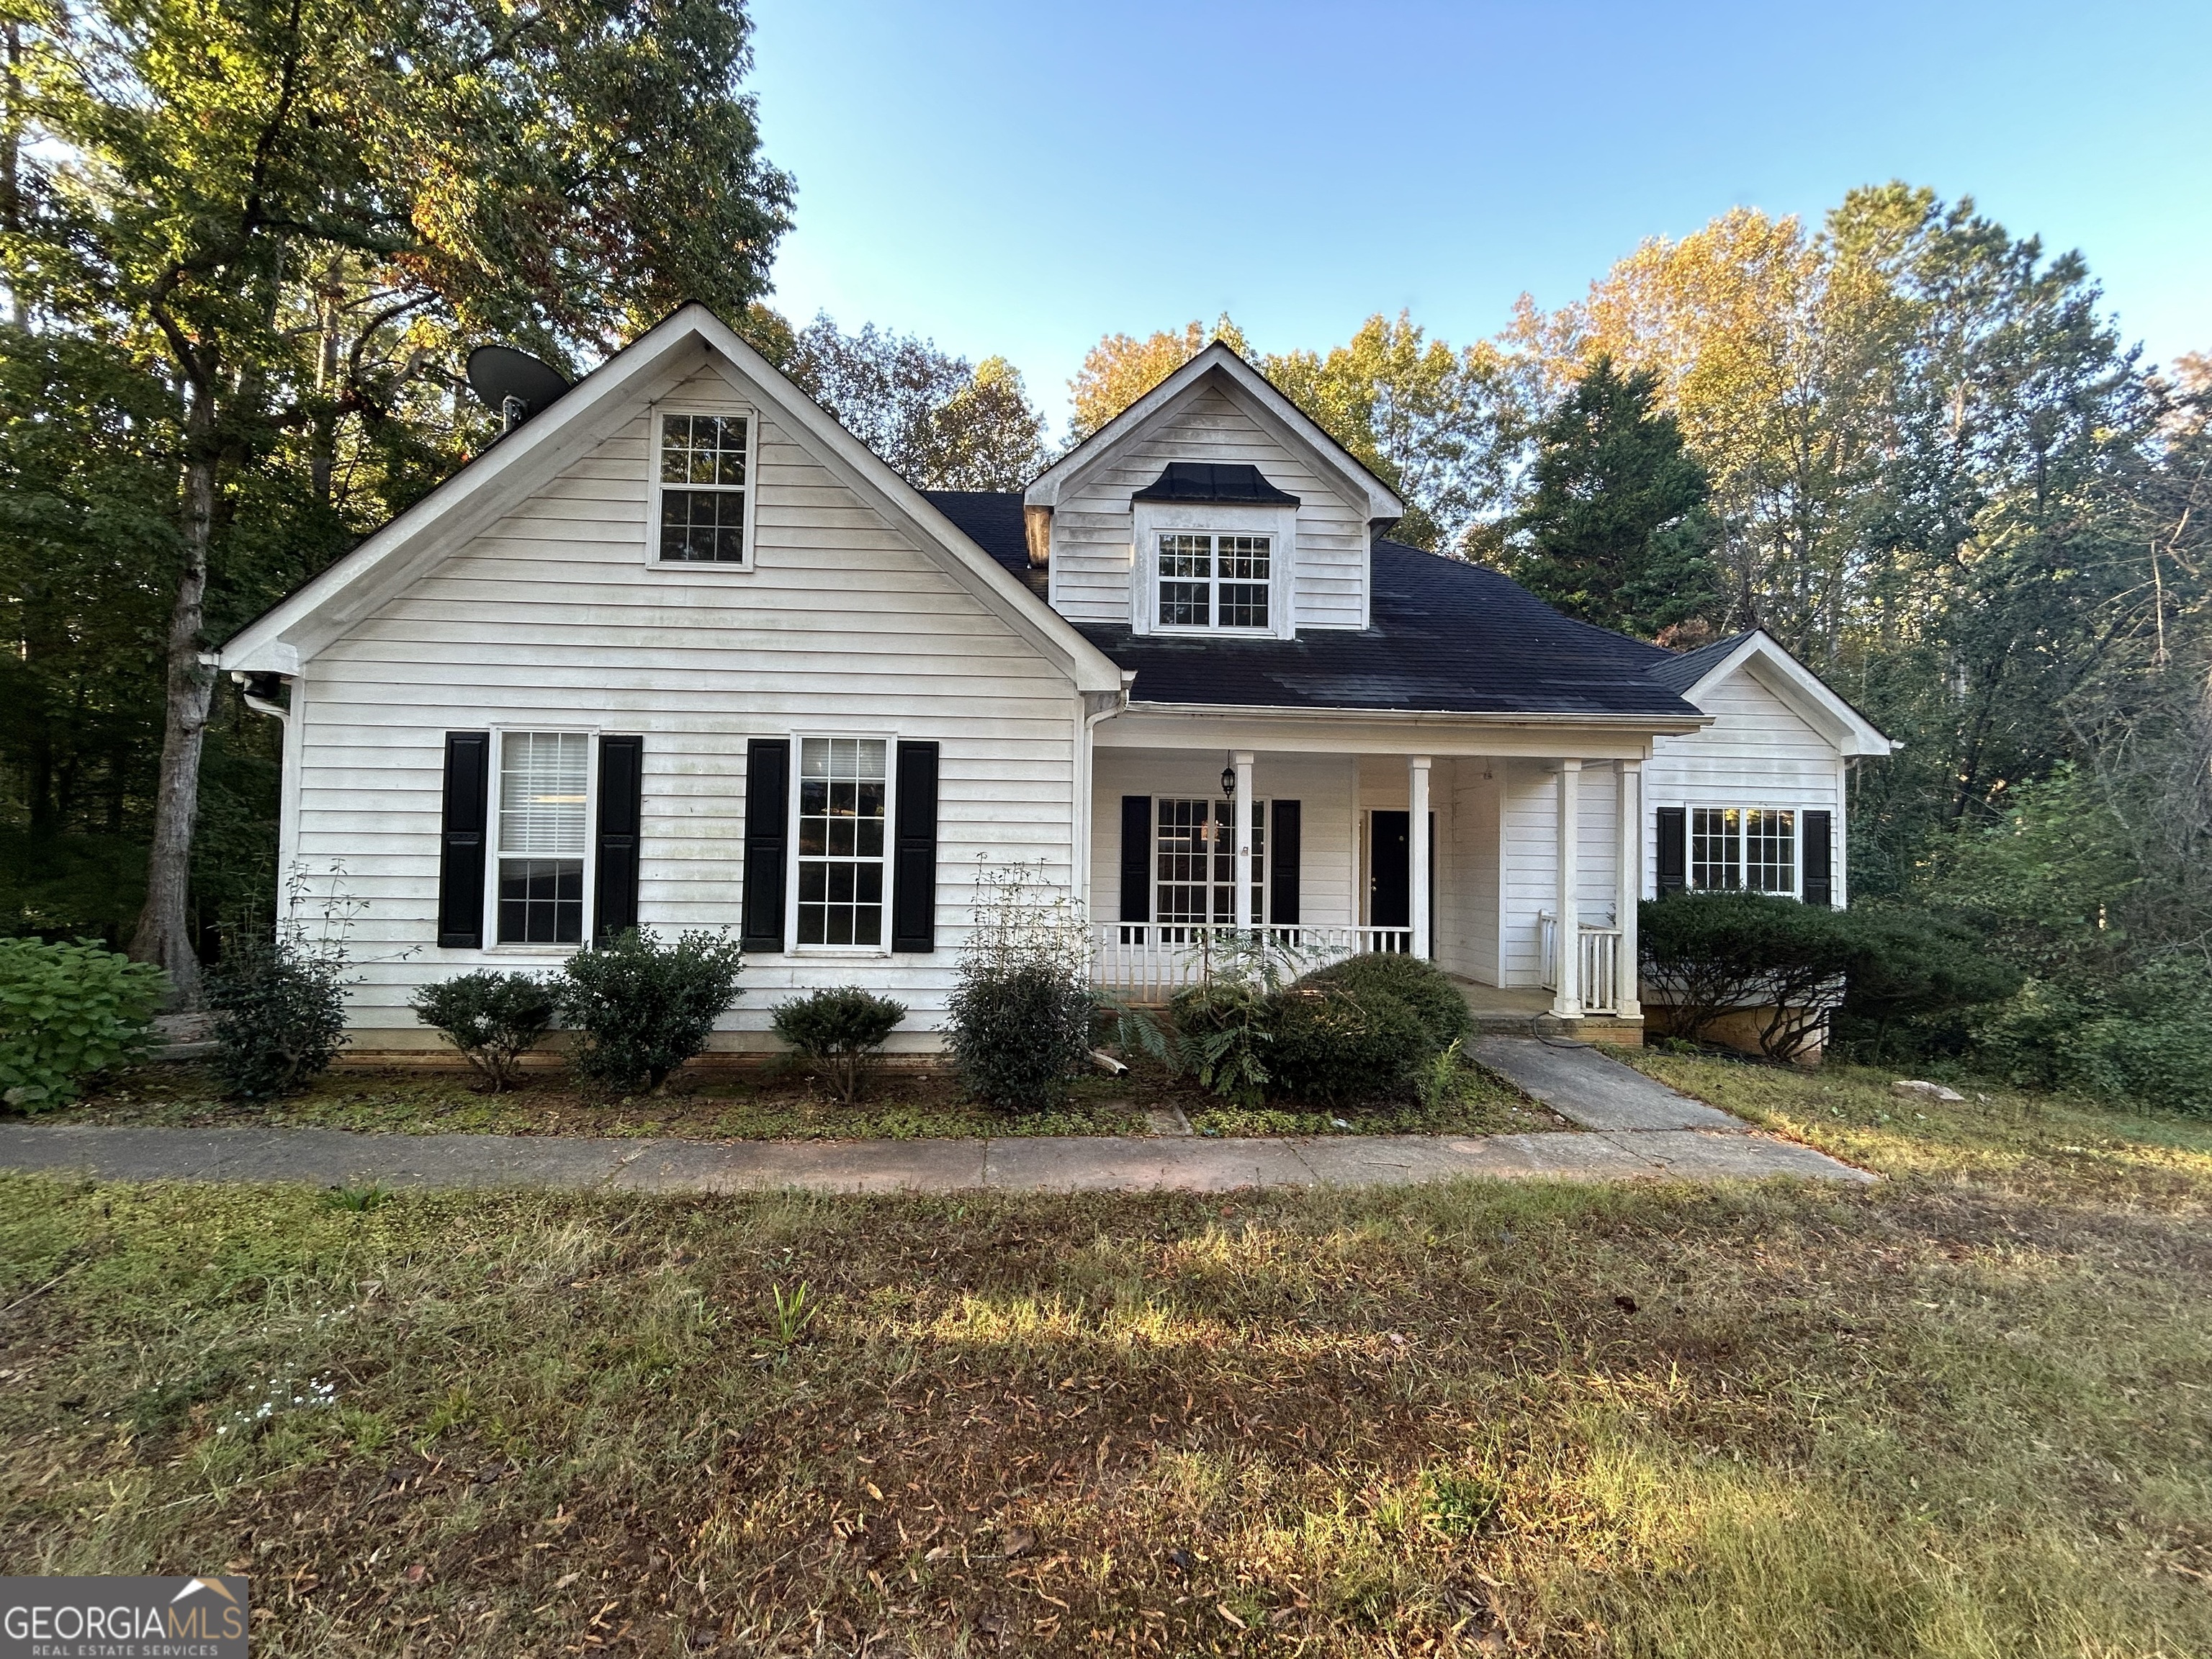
x=1806 y=692
x=1291 y=422
x=473 y=498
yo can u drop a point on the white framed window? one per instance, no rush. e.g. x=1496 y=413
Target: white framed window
x=1194 y=861
x=1749 y=849
x=1214 y=581
x=703 y=465
x=542 y=820
x=840 y=833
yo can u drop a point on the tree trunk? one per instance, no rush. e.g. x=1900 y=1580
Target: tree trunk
x=164 y=935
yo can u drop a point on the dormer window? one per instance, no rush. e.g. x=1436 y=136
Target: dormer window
x=1214 y=545
x=1214 y=581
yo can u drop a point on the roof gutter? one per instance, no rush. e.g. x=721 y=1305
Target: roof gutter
x=1661 y=723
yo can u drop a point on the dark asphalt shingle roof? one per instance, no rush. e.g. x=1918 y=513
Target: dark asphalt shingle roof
x=1680 y=673
x=1445 y=637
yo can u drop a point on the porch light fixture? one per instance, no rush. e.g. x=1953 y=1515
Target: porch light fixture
x=1229 y=783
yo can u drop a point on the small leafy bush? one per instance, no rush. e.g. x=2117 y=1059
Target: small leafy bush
x=493 y=1018
x=279 y=1004
x=1420 y=985
x=66 y=1012
x=641 y=1008
x=1017 y=1032
x=1336 y=1047
x=1019 y=1017
x=842 y=1027
x=1224 y=1027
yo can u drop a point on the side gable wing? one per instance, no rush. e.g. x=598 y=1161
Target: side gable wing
x=690 y=340
x=1804 y=692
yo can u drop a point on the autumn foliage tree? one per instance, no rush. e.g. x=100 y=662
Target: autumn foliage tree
x=277 y=217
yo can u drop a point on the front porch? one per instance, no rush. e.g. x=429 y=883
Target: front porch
x=1480 y=863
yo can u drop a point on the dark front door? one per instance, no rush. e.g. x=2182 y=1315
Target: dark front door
x=1389 y=870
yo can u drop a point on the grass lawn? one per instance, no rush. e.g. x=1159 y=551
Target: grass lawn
x=1965 y=1412
x=898 y=1104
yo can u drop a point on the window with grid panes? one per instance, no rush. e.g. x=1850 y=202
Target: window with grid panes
x=545 y=794
x=702 y=489
x=1214 y=581
x=1195 y=862
x=843 y=800
x=1743 y=849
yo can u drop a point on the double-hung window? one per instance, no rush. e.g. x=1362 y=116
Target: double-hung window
x=1208 y=580
x=843 y=811
x=701 y=480
x=1195 y=863
x=544 y=801
x=1743 y=849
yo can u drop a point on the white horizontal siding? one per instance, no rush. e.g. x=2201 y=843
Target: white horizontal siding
x=1759 y=751
x=553 y=617
x=1092 y=526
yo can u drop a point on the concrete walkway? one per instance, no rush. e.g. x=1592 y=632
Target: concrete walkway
x=1637 y=1130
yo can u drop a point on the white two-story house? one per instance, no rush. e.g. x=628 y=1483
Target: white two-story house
x=679 y=652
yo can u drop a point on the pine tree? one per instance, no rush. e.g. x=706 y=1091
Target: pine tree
x=1615 y=532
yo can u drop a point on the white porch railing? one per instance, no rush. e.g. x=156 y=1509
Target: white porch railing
x=1148 y=961
x=1600 y=962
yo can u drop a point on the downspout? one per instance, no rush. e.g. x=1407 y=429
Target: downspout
x=1096 y=706
x=256 y=691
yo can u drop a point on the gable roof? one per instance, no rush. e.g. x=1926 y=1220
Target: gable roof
x=530 y=456
x=1758 y=653
x=1292 y=423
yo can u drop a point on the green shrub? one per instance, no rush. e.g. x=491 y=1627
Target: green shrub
x=1421 y=986
x=1017 y=1030
x=842 y=1026
x=641 y=1008
x=279 y=1004
x=1709 y=955
x=2145 y=1037
x=494 y=1019
x=1019 y=1018
x=67 y=1012
x=1909 y=977
x=1225 y=1035
x=1334 y=1047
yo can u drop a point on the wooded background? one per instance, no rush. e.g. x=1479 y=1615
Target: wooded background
x=246 y=247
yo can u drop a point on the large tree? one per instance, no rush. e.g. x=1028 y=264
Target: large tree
x=284 y=213
x=943 y=423
x=1121 y=368
x=1614 y=533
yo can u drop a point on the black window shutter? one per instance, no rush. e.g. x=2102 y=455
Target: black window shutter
x=1136 y=858
x=461 y=848
x=1283 y=864
x=621 y=808
x=1819 y=857
x=913 y=864
x=1673 y=849
x=768 y=799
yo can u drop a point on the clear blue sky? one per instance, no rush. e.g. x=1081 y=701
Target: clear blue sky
x=1022 y=177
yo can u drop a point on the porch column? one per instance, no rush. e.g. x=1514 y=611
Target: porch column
x=1242 y=759
x=1417 y=851
x=1628 y=887
x=1567 y=939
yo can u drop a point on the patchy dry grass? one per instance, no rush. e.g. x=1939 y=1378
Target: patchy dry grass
x=775 y=1104
x=1966 y=1412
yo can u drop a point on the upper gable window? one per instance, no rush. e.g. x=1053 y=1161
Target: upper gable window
x=1208 y=580
x=703 y=474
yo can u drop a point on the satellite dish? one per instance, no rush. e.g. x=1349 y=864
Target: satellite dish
x=513 y=384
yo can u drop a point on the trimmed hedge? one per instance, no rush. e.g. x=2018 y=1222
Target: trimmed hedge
x=1422 y=986
x=1337 y=1046
x=842 y=1026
